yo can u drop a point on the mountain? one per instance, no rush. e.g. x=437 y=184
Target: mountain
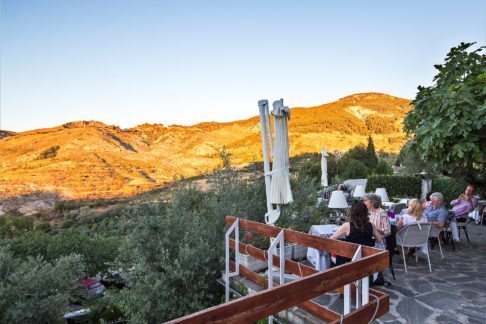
x=89 y=159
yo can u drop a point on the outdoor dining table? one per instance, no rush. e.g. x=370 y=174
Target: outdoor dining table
x=387 y=204
x=320 y=259
x=476 y=213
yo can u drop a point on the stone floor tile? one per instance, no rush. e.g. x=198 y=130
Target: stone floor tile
x=412 y=311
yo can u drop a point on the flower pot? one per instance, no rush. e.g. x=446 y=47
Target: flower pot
x=299 y=252
x=252 y=263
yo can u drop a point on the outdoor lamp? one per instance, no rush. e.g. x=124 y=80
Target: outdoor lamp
x=338 y=201
x=359 y=191
x=382 y=193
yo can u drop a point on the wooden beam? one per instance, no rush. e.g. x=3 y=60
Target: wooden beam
x=309 y=306
x=341 y=248
x=364 y=314
x=297 y=268
x=272 y=301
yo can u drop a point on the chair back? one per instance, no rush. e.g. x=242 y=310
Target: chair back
x=391 y=240
x=397 y=208
x=414 y=235
x=435 y=231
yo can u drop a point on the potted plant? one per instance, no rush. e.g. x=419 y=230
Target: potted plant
x=249 y=261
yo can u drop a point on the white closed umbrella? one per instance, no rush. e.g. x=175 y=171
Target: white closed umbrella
x=324 y=181
x=281 y=192
x=277 y=180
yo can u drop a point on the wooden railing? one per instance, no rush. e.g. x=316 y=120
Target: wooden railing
x=312 y=283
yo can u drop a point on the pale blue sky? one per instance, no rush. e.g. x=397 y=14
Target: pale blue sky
x=129 y=62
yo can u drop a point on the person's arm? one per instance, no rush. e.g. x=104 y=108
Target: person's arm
x=377 y=234
x=343 y=230
x=441 y=219
x=438 y=224
x=385 y=223
x=400 y=224
x=473 y=203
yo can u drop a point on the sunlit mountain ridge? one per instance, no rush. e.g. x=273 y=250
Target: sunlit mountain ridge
x=89 y=159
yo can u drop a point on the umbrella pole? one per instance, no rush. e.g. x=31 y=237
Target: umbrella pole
x=263 y=105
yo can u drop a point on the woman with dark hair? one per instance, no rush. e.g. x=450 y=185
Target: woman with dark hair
x=358 y=230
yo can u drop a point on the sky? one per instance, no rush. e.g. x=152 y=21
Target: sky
x=183 y=62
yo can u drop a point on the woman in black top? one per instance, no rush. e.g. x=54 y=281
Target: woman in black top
x=358 y=230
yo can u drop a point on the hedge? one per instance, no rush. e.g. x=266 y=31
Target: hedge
x=396 y=186
x=450 y=188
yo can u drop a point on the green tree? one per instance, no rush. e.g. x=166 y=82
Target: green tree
x=449 y=117
x=370 y=160
x=357 y=153
x=355 y=170
x=383 y=168
x=36 y=291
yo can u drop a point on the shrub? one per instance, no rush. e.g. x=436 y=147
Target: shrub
x=34 y=290
x=43 y=227
x=355 y=170
x=97 y=251
x=396 y=186
x=49 y=153
x=450 y=188
x=312 y=170
x=383 y=168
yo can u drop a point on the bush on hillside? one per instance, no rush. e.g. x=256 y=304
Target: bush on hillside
x=49 y=153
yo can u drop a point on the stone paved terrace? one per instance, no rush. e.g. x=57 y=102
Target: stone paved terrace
x=454 y=292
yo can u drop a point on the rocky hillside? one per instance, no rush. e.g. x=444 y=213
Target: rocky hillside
x=89 y=159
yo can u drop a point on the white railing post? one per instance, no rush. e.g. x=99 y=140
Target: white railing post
x=347 y=288
x=279 y=240
x=365 y=290
x=227 y=275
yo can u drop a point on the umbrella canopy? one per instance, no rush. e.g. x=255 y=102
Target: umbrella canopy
x=324 y=182
x=281 y=192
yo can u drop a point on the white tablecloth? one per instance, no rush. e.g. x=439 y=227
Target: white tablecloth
x=320 y=259
x=476 y=213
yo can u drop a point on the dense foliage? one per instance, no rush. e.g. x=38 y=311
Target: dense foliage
x=97 y=251
x=35 y=290
x=449 y=187
x=448 y=120
x=396 y=186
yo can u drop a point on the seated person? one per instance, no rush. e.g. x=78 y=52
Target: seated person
x=358 y=230
x=436 y=213
x=461 y=207
x=427 y=200
x=378 y=216
x=413 y=215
